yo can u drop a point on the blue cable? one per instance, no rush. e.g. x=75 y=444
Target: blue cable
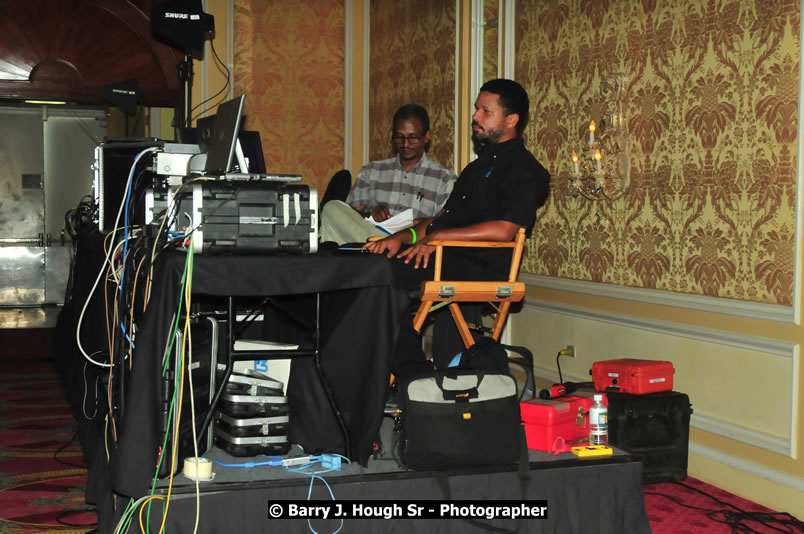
x=125 y=334
x=272 y=460
x=126 y=199
x=313 y=476
x=277 y=461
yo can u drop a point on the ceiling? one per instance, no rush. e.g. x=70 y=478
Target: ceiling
x=71 y=49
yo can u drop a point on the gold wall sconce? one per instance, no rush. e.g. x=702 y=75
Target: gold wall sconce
x=603 y=168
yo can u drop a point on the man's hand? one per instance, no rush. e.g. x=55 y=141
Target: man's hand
x=419 y=254
x=388 y=245
x=380 y=213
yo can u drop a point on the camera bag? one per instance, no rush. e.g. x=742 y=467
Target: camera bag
x=456 y=418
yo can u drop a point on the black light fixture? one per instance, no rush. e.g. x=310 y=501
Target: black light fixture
x=124 y=95
x=183 y=25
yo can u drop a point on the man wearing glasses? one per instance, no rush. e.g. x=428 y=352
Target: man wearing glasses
x=385 y=188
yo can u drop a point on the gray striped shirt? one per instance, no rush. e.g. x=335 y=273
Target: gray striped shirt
x=425 y=188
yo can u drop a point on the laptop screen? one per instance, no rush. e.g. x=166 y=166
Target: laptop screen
x=251 y=143
x=221 y=145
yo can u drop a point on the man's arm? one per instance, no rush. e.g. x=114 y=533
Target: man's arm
x=420 y=252
x=485 y=231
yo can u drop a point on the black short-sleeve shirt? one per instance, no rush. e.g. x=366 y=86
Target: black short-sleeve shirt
x=505 y=183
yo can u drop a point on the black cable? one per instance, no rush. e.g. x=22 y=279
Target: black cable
x=560 y=379
x=736 y=520
x=749 y=515
x=225 y=85
x=77 y=525
x=60 y=449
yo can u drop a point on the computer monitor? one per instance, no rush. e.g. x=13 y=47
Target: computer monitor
x=249 y=140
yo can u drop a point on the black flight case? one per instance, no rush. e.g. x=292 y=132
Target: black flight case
x=655 y=429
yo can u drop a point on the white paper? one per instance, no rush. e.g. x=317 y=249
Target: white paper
x=398 y=222
x=258 y=344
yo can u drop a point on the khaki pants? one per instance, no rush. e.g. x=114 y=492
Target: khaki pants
x=342 y=224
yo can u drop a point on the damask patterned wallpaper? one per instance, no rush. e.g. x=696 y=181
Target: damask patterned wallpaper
x=289 y=61
x=712 y=108
x=412 y=60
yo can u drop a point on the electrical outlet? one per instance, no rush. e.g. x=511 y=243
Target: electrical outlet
x=570 y=351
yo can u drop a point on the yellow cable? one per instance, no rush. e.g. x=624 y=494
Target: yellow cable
x=142 y=507
x=173 y=466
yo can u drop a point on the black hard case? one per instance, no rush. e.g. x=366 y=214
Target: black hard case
x=655 y=428
x=238 y=217
x=241 y=406
x=251 y=446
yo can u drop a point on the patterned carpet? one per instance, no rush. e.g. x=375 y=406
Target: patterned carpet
x=692 y=507
x=42 y=473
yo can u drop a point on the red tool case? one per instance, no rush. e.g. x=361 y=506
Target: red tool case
x=633 y=376
x=546 y=420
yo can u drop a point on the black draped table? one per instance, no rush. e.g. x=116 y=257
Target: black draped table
x=360 y=312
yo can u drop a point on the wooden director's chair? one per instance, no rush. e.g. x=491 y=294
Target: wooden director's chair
x=500 y=294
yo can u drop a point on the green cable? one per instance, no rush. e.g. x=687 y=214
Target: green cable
x=187 y=267
x=128 y=512
x=176 y=323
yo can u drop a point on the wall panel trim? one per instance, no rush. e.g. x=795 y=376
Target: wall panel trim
x=508 y=43
x=739 y=308
x=799 y=229
x=348 y=88
x=753 y=468
x=762 y=440
x=780 y=445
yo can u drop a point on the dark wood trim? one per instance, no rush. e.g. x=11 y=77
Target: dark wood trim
x=71 y=49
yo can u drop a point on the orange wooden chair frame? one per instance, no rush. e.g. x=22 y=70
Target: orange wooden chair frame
x=499 y=293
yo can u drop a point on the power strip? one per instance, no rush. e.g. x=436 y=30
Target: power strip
x=299 y=460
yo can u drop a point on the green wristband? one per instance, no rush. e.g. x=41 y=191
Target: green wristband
x=412 y=231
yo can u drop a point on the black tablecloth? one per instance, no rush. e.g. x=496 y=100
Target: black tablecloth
x=360 y=315
x=582 y=497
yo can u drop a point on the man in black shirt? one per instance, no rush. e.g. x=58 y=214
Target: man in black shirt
x=495 y=196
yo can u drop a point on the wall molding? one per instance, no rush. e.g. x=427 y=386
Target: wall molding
x=477 y=47
x=759 y=439
x=799 y=229
x=366 y=77
x=230 y=29
x=780 y=445
x=777 y=477
x=739 y=308
x=508 y=43
x=348 y=87
x=742 y=341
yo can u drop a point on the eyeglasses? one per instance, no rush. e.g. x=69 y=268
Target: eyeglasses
x=411 y=139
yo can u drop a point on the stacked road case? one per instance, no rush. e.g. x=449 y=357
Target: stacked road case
x=646 y=418
x=252 y=416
